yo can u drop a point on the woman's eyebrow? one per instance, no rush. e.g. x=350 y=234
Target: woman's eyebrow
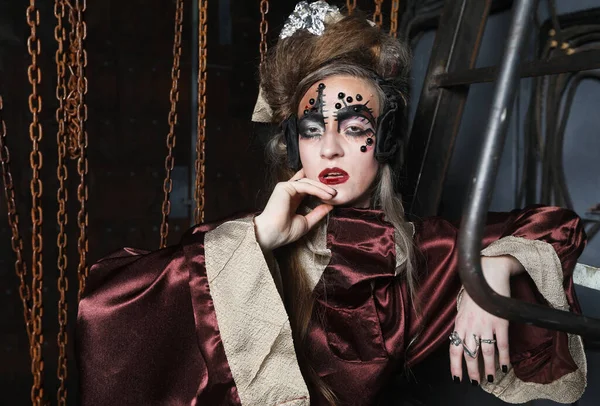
x=313 y=116
x=355 y=110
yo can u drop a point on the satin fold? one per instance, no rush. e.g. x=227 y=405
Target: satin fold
x=147 y=332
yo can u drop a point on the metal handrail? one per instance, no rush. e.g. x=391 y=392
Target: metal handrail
x=471 y=232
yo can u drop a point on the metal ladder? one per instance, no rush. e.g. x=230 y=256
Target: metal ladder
x=439 y=112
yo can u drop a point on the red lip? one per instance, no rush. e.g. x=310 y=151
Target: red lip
x=333 y=176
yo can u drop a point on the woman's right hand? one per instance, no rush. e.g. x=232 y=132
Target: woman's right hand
x=279 y=224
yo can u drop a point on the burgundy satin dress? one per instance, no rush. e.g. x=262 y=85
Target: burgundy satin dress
x=147 y=331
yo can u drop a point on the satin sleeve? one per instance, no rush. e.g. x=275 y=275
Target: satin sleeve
x=547 y=241
x=147 y=332
x=135 y=340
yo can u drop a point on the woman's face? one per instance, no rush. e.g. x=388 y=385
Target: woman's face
x=336 y=126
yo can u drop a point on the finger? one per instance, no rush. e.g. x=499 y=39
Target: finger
x=472 y=363
x=456 y=358
x=502 y=344
x=302 y=224
x=488 y=351
x=298 y=175
x=323 y=186
x=317 y=215
x=303 y=188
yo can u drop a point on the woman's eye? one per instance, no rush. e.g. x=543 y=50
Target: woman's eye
x=356 y=130
x=311 y=132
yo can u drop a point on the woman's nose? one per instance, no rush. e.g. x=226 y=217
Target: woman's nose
x=331 y=146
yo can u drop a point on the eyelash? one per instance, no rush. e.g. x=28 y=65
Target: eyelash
x=360 y=132
x=308 y=134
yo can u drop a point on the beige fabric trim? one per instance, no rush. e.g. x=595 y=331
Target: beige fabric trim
x=314 y=256
x=254 y=325
x=543 y=265
x=263 y=113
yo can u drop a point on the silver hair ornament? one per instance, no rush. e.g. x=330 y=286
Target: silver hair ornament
x=310 y=17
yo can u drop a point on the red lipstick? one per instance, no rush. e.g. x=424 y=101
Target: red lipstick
x=333 y=176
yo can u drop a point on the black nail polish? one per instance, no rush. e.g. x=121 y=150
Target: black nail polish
x=474 y=382
x=456 y=379
x=490 y=378
x=504 y=369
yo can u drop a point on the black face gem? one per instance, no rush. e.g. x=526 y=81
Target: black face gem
x=338 y=106
x=311 y=101
x=369 y=141
x=341 y=95
x=359 y=97
x=349 y=99
x=305 y=112
x=363 y=148
x=356 y=108
x=321 y=86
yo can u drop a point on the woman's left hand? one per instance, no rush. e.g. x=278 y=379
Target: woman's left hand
x=473 y=323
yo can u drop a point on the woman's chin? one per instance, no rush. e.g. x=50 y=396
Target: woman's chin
x=343 y=200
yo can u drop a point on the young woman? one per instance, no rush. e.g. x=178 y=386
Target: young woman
x=321 y=297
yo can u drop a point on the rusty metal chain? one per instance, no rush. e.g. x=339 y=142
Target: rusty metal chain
x=394 y=18
x=201 y=130
x=350 y=5
x=35 y=159
x=264 y=29
x=73 y=124
x=62 y=195
x=13 y=222
x=174 y=98
x=81 y=115
x=378 y=16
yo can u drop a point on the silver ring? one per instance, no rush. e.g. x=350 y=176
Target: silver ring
x=455 y=339
x=488 y=341
x=474 y=353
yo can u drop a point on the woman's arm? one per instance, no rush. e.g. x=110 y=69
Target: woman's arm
x=546 y=241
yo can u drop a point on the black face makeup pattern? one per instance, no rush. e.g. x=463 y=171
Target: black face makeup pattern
x=361 y=111
x=313 y=121
x=389 y=142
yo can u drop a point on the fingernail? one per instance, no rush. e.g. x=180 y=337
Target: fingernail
x=456 y=379
x=474 y=382
x=504 y=369
x=490 y=378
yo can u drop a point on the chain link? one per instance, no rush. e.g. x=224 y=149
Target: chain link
x=378 y=16
x=264 y=29
x=13 y=221
x=73 y=123
x=35 y=159
x=62 y=195
x=80 y=55
x=201 y=130
x=394 y=18
x=350 y=5
x=174 y=98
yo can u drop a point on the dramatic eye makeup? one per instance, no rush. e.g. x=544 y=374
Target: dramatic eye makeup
x=356 y=126
x=353 y=120
x=355 y=115
x=312 y=123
